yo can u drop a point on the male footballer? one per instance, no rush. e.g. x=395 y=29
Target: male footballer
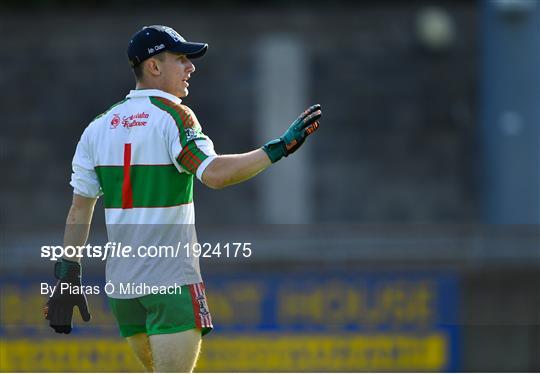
x=142 y=155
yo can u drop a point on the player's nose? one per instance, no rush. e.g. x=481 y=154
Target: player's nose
x=190 y=68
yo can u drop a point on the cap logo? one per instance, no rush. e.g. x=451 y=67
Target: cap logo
x=156 y=48
x=173 y=34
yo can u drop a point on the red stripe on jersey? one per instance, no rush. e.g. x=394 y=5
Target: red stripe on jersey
x=186 y=161
x=181 y=110
x=196 y=309
x=127 y=191
x=208 y=316
x=189 y=160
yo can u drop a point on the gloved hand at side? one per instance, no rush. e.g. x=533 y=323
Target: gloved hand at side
x=67 y=293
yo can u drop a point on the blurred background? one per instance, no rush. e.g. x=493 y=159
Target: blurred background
x=403 y=237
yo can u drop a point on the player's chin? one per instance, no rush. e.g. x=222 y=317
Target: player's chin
x=183 y=92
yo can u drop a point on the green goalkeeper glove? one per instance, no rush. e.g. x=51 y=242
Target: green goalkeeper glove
x=59 y=308
x=295 y=136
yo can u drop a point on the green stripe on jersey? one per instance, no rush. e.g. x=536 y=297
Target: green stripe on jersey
x=153 y=186
x=191 y=157
x=192 y=146
x=175 y=115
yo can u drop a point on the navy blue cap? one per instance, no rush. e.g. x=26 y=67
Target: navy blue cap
x=151 y=40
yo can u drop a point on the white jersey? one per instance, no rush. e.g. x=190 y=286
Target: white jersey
x=142 y=155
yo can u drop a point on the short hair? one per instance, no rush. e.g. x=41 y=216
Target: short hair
x=138 y=70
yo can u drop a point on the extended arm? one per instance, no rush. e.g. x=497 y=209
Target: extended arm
x=226 y=170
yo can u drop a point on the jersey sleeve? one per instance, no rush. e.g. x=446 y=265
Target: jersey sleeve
x=190 y=148
x=84 y=179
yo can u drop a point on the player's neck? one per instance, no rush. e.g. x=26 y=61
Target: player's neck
x=145 y=86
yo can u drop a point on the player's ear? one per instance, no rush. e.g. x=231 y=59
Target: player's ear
x=153 y=67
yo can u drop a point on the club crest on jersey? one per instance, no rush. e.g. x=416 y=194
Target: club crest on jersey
x=115 y=121
x=191 y=134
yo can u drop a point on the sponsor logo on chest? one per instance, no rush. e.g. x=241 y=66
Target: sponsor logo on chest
x=133 y=120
